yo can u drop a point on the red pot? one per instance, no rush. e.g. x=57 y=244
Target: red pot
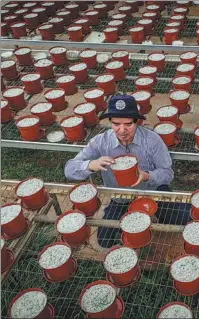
x=74 y=9
x=47 y=312
x=147 y=26
x=25 y=58
x=142 y=86
x=159 y=64
x=10 y=18
x=93 y=17
x=171 y=25
x=60 y=57
x=109 y=312
x=108 y=86
x=177 y=303
x=144 y=104
x=50 y=9
x=9 y=72
x=66 y=15
x=90 y=118
x=45 y=71
x=41 y=14
x=180 y=11
x=118 y=72
x=91 y=61
x=58 y=103
x=84 y=23
x=150 y=15
x=4 y=13
x=152 y=74
x=122 y=58
x=32 y=20
x=173 y=118
x=127 y=9
x=186 y=59
x=181 y=104
x=75 y=33
x=81 y=75
x=83 y=6
x=191 y=248
x=194 y=210
x=97 y=100
x=47 y=34
x=20 y=13
x=102 y=8
x=169 y=139
x=75 y=133
x=119 y=24
x=29 y=5
x=122 y=279
x=190 y=72
x=58 y=24
x=185 y=86
x=196 y=136
x=3 y=87
x=16 y=102
x=75 y=238
x=69 y=87
x=12 y=6
x=144 y=204
x=4 y=29
x=180 y=19
x=6 y=115
x=6 y=261
x=137 y=34
x=32 y=86
x=134 y=6
x=15 y=227
x=153 y=8
x=187 y=288
x=45 y=117
x=36 y=200
x=62 y=272
x=111 y=34
x=171 y=36
x=89 y=207
x=126 y=177
x=184 y=4
x=137 y=240
x=29 y=133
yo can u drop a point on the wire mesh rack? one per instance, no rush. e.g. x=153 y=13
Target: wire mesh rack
x=138 y=60
x=188 y=35
x=142 y=299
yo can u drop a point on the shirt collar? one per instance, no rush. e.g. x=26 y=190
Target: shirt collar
x=136 y=140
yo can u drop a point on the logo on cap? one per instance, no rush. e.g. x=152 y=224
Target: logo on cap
x=120 y=105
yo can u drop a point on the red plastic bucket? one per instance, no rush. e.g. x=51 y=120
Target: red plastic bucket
x=116 y=70
x=109 y=312
x=58 y=55
x=58 y=24
x=29 y=133
x=74 y=133
x=187 y=69
x=126 y=177
x=37 y=199
x=157 y=60
x=45 y=68
x=50 y=8
x=111 y=34
x=150 y=15
x=168 y=138
x=79 y=70
x=144 y=204
x=84 y=23
x=181 y=103
x=172 y=117
x=6 y=114
x=23 y=55
x=46 y=313
x=16 y=226
x=32 y=83
x=66 y=15
x=57 y=98
x=32 y=20
x=178 y=83
x=147 y=24
x=9 y=19
x=136 y=239
x=74 y=238
x=178 y=18
x=47 y=31
x=106 y=82
x=93 y=17
x=122 y=56
x=17 y=102
x=143 y=99
x=102 y=8
x=75 y=33
x=149 y=70
x=137 y=34
x=67 y=83
x=95 y=96
x=174 y=303
x=41 y=14
x=171 y=35
x=9 y=70
x=196 y=135
x=187 y=288
x=190 y=247
x=88 y=207
x=117 y=24
x=46 y=116
x=90 y=117
x=90 y=58
x=74 y=9
x=145 y=83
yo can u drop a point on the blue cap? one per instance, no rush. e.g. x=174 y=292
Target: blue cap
x=122 y=106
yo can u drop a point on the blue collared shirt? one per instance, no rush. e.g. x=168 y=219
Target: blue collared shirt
x=147 y=146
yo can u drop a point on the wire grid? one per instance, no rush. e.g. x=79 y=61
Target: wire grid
x=142 y=300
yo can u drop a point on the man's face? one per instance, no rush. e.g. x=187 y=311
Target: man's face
x=124 y=129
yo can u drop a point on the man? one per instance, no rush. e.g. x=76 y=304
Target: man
x=125 y=137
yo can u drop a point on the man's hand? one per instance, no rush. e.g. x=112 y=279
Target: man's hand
x=143 y=177
x=100 y=164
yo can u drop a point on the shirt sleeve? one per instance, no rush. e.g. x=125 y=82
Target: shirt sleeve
x=77 y=168
x=161 y=159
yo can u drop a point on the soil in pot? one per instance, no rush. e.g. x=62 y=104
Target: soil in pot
x=125 y=170
x=44 y=111
x=175 y=310
x=68 y=83
x=167 y=131
x=136 y=229
x=15 y=97
x=185 y=272
x=191 y=238
x=88 y=112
